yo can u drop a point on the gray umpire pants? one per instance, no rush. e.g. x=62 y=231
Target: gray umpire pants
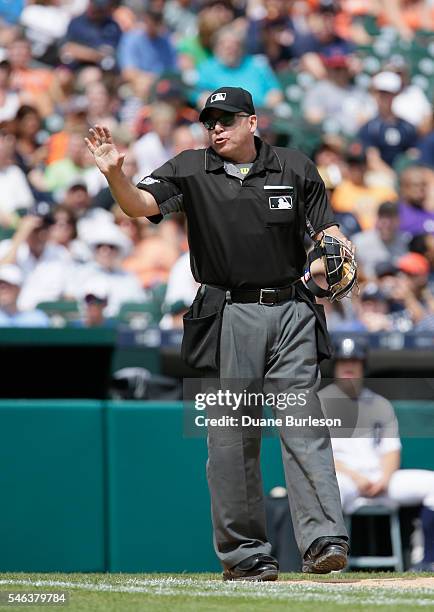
x=270 y=342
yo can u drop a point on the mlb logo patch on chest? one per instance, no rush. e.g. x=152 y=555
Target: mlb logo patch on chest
x=283 y=202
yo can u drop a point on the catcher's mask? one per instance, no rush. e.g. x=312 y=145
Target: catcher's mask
x=339 y=265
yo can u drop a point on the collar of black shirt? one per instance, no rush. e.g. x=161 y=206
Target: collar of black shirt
x=267 y=158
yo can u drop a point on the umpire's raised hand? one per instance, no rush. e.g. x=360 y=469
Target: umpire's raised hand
x=107 y=157
x=133 y=201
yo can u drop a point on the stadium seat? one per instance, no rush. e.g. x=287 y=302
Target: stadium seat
x=158 y=293
x=139 y=315
x=60 y=312
x=372 y=510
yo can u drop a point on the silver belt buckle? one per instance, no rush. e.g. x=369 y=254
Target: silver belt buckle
x=264 y=291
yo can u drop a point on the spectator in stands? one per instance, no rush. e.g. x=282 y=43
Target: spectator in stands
x=386 y=132
x=62 y=87
x=375 y=313
x=408 y=16
x=385 y=271
x=273 y=34
x=193 y=50
x=74 y=112
x=15 y=193
x=426 y=150
x=188 y=137
x=415 y=218
x=64 y=232
x=230 y=67
x=144 y=54
x=180 y=18
x=406 y=287
x=60 y=174
x=368 y=461
x=30 y=152
x=336 y=99
x=411 y=103
x=45 y=24
x=109 y=249
x=101 y=105
x=347 y=221
x=330 y=154
x=321 y=38
x=11 y=280
x=354 y=195
x=45 y=266
x=93 y=37
x=154 y=148
x=9 y=99
x=32 y=84
x=382 y=243
x=419 y=299
x=166 y=92
x=180 y=293
x=424 y=245
x=92 y=305
x=152 y=256
x=77 y=200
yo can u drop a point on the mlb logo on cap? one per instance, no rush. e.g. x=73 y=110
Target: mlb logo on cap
x=229 y=100
x=218 y=96
x=280 y=202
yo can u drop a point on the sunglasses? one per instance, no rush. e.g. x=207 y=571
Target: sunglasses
x=225 y=119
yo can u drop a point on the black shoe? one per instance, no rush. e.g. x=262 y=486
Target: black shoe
x=327 y=554
x=257 y=567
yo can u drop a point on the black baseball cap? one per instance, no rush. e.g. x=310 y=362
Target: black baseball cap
x=388 y=209
x=385 y=268
x=229 y=99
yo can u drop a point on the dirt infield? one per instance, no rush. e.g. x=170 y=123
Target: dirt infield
x=393 y=583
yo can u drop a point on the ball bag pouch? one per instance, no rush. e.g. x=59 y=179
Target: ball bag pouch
x=202 y=327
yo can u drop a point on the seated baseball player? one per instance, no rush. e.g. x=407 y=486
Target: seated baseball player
x=368 y=463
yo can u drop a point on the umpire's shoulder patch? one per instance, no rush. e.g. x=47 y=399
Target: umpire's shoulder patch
x=149 y=180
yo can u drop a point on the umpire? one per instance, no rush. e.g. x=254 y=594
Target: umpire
x=249 y=206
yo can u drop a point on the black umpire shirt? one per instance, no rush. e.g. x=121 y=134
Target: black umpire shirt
x=244 y=233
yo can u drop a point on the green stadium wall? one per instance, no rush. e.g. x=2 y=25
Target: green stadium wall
x=94 y=486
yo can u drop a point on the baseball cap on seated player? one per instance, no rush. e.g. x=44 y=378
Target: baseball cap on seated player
x=229 y=99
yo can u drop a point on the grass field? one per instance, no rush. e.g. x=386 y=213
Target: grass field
x=206 y=592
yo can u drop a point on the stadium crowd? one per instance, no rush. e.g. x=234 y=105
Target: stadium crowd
x=351 y=83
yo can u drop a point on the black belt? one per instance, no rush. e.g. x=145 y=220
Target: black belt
x=261 y=296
